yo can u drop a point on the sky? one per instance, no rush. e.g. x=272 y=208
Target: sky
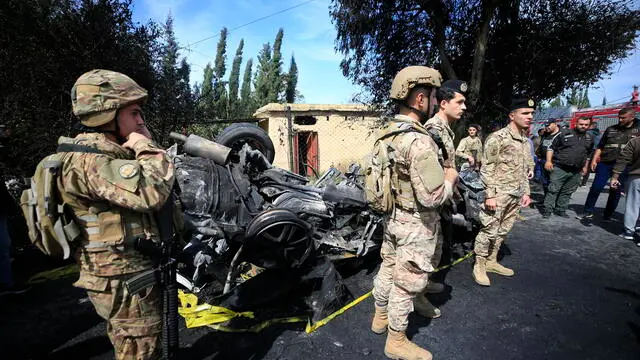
x=309 y=35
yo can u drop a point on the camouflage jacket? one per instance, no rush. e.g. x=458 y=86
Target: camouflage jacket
x=447 y=135
x=421 y=181
x=505 y=163
x=113 y=194
x=467 y=146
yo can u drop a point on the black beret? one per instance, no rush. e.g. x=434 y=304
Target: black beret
x=549 y=122
x=458 y=86
x=520 y=103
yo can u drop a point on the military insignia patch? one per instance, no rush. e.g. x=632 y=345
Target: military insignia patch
x=464 y=87
x=127 y=171
x=531 y=103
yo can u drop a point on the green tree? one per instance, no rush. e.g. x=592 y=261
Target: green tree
x=219 y=69
x=261 y=82
x=166 y=109
x=234 y=82
x=206 y=98
x=247 y=103
x=536 y=48
x=292 y=81
x=556 y=102
x=275 y=76
x=45 y=46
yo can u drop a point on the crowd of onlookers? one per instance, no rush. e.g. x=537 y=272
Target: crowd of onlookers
x=564 y=158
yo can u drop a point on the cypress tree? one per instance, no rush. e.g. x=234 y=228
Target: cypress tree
x=245 y=93
x=206 y=99
x=261 y=83
x=292 y=81
x=219 y=69
x=234 y=81
x=275 y=77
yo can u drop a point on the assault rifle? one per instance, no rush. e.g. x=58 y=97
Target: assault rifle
x=164 y=274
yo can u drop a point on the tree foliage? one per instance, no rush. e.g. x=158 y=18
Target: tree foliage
x=234 y=82
x=536 y=48
x=292 y=82
x=45 y=46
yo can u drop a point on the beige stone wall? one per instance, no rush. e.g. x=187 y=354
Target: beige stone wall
x=341 y=141
x=345 y=132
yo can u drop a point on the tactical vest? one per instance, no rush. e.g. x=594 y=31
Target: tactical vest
x=105 y=226
x=617 y=137
x=405 y=196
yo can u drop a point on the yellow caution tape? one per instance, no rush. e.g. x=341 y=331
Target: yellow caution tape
x=261 y=326
x=204 y=314
x=311 y=328
x=207 y=315
x=54 y=274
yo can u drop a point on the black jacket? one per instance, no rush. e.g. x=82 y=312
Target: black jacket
x=614 y=139
x=571 y=149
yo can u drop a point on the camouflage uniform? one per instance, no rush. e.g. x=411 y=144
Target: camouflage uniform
x=112 y=193
x=447 y=135
x=467 y=146
x=411 y=249
x=504 y=173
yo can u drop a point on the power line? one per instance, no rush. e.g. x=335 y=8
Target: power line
x=252 y=22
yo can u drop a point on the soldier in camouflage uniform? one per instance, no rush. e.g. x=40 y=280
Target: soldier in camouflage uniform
x=113 y=177
x=505 y=174
x=451 y=105
x=411 y=249
x=470 y=148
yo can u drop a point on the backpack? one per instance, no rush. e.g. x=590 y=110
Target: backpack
x=52 y=228
x=380 y=175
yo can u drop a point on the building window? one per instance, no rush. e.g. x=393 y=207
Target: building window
x=304 y=120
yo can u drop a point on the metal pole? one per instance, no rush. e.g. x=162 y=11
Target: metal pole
x=290 y=135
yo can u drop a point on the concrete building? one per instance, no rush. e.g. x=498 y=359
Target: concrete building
x=309 y=138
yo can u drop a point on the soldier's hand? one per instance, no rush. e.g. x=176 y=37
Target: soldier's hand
x=530 y=174
x=584 y=171
x=548 y=166
x=133 y=138
x=471 y=161
x=490 y=204
x=450 y=175
x=525 y=201
x=594 y=163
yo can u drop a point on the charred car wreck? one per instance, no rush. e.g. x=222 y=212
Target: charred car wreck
x=247 y=220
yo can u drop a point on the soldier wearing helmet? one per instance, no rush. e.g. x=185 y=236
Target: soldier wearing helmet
x=112 y=179
x=412 y=243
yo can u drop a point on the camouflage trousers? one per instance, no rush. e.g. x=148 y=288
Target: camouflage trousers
x=410 y=251
x=496 y=225
x=134 y=321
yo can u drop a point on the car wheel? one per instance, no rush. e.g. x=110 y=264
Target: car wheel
x=277 y=238
x=238 y=134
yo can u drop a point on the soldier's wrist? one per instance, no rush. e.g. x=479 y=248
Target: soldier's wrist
x=144 y=145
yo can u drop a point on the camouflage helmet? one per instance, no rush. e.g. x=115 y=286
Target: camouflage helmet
x=98 y=94
x=413 y=76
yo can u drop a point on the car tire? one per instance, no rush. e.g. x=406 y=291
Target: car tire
x=278 y=238
x=238 y=134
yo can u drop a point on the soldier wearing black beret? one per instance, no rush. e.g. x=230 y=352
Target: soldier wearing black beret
x=506 y=165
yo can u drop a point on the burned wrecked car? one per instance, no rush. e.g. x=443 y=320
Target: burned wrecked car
x=244 y=216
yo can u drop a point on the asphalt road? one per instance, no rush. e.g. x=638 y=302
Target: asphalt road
x=576 y=295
